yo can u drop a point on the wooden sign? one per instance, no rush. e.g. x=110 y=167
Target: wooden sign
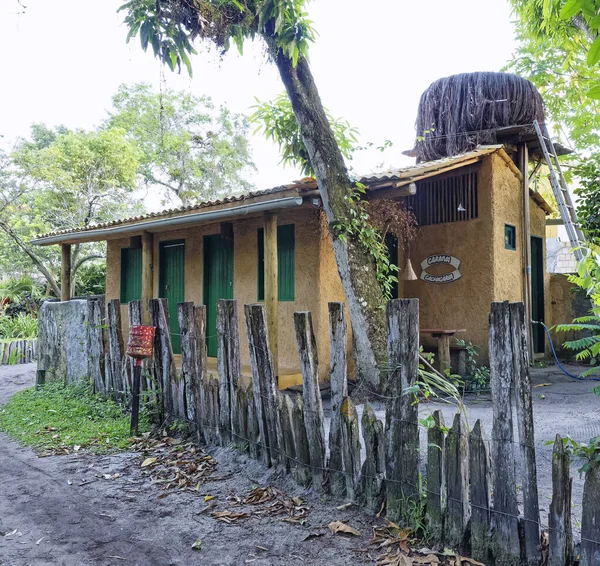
x=440 y=259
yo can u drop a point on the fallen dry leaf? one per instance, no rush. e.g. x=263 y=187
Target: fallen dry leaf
x=339 y=527
x=148 y=462
x=228 y=516
x=197 y=545
x=429 y=559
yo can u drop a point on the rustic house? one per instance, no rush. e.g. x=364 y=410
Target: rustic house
x=274 y=246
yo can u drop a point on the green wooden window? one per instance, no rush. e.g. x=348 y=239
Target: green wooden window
x=131 y=274
x=510 y=237
x=286 y=261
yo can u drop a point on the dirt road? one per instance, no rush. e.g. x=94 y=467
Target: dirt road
x=62 y=510
x=81 y=510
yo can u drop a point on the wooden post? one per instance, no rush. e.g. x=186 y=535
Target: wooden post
x=457 y=484
x=526 y=241
x=228 y=364
x=402 y=425
x=314 y=418
x=522 y=390
x=479 y=467
x=96 y=345
x=590 y=515
x=339 y=390
x=264 y=384
x=444 y=352
x=505 y=543
x=436 y=448
x=164 y=362
x=350 y=448
x=303 y=472
x=147 y=275
x=272 y=285
x=65 y=281
x=373 y=470
x=40 y=378
x=560 y=549
x=191 y=356
x=285 y=406
x=116 y=386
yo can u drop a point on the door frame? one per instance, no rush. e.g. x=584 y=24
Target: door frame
x=173 y=321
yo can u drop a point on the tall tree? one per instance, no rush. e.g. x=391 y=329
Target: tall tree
x=559 y=51
x=187 y=146
x=60 y=180
x=170 y=27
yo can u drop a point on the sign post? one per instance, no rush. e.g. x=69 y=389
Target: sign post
x=139 y=346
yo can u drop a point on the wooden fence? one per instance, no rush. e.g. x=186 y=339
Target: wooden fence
x=18 y=352
x=465 y=486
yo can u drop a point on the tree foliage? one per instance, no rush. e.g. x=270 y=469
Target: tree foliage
x=559 y=51
x=187 y=146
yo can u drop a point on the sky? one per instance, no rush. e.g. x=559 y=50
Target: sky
x=64 y=59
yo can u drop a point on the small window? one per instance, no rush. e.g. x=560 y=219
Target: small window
x=131 y=274
x=510 y=237
x=286 y=244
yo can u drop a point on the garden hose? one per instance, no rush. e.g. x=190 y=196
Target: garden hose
x=578 y=377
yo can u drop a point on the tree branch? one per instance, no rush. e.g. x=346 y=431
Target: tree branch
x=34 y=258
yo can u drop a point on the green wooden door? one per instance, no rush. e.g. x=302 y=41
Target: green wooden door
x=171 y=283
x=537 y=292
x=218 y=282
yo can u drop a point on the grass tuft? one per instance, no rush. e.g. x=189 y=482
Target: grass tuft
x=58 y=420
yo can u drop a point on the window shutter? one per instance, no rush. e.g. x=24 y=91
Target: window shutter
x=131 y=274
x=286 y=262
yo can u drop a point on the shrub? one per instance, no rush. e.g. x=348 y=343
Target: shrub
x=20 y=327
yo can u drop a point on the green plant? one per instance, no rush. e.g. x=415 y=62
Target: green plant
x=588 y=279
x=588 y=453
x=13 y=358
x=477 y=375
x=19 y=294
x=90 y=279
x=20 y=327
x=59 y=419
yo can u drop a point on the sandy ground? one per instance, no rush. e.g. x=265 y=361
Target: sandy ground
x=63 y=510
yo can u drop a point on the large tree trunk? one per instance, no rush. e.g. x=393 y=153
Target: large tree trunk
x=356 y=265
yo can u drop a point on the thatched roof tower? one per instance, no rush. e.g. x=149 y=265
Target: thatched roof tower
x=458 y=113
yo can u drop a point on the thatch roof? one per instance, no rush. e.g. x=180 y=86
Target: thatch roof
x=458 y=113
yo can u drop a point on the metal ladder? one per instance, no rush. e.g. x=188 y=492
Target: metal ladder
x=561 y=191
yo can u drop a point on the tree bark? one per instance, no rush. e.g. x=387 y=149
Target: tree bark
x=356 y=265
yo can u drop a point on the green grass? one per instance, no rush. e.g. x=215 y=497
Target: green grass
x=58 y=419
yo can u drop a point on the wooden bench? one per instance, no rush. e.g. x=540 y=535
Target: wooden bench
x=443 y=337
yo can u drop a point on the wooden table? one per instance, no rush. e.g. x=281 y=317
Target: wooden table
x=443 y=343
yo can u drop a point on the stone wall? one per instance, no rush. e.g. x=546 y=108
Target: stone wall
x=65 y=339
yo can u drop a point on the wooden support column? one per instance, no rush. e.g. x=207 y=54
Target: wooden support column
x=147 y=275
x=272 y=286
x=65 y=290
x=526 y=239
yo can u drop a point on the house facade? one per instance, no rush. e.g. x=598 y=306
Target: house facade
x=274 y=246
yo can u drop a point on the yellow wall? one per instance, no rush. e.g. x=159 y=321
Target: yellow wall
x=489 y=271
x=310 y=250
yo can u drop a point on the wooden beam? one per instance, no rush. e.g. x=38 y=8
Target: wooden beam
x=65 y=291
x=272 y=286
x=147 y=275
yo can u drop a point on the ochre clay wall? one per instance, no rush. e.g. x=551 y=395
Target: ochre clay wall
x=463 y=303
x=308 y=255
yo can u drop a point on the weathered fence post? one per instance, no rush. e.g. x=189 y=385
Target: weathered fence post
x=402 y=426
x=505 y=545
x=229 y=365
x=590 y=515
x=373 y=470
x=303 y=472
x=457 y=484
x=192 y=322
x=313 y=408
x=253 y=434
x=560 y=530
x=338 y=374
x=96 y=345
x=436 y=448
x=164 y=363
x=286 y=413
x=522 y=390
x=116 y=386
x=479 y=464
x=264 y=385
x=350 y=447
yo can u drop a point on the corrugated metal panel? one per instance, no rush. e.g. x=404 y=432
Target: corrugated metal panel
x=131 y=274
x=172 y=284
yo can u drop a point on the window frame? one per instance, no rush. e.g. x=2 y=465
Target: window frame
x=510 y=230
